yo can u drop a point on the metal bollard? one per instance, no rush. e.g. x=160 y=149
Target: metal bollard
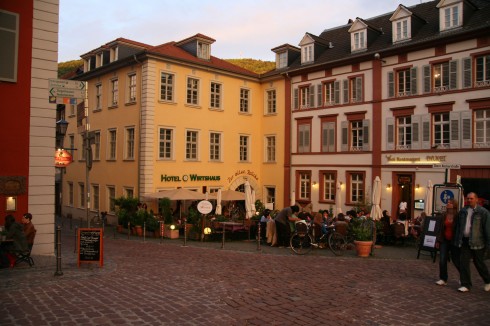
x=185 y=232
x=58 y=252
x=129 y=229
x=161 y=231
x=144 y=231
x=258 y=235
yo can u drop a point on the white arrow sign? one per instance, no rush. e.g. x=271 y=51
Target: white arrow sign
x=67 y=88
x=446 y=166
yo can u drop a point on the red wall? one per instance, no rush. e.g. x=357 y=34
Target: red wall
x=15 y=108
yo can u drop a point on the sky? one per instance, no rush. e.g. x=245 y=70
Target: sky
x=241 y=28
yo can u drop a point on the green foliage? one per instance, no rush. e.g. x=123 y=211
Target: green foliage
x=361 y=229
x=193 y=216
x=68 y=66
x=152 y=224
x=165 y=209
x=257 y=66
x=127 y=209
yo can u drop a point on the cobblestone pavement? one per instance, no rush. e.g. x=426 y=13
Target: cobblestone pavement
x=153 y=283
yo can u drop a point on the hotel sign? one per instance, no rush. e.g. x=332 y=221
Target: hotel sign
x=189 y=177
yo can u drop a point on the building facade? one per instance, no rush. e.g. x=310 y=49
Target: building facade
x=395 y=96
x=169 y=116
x=29 y=57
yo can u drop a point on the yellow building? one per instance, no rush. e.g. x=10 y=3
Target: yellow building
x=168 y=116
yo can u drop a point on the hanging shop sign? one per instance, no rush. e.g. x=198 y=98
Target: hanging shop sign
x=243 y=172
x=62 y=158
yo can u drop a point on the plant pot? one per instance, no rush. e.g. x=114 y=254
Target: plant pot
x=139 y=230
x=363 y=248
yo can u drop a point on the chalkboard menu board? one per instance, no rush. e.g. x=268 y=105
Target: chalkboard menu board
x=90 y=244
x=432 y=228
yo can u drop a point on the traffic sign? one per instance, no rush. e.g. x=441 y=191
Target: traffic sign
x=66 y=88
x=447 y=166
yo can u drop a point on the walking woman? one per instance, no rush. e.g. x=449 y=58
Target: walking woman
x=444 y=240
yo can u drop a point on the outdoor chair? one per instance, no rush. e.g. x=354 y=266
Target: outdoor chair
x=25 y=257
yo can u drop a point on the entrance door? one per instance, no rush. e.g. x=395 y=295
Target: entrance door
x=404 y=192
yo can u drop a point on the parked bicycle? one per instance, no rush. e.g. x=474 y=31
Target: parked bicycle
x=304 y=240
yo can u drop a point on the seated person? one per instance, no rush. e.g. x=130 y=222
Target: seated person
x=341 y=225
x=18 y=245
x=29 y=229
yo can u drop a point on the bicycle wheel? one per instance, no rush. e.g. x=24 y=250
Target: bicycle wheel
x=300 y=244
x=336 y=243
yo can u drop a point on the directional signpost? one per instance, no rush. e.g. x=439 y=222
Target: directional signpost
x=447 y=167
x=63 y=91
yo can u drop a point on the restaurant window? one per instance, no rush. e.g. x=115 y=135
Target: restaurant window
x=270 y=149
x=192 y=91
x=215 y=146
x=166 y=144
x=304 y=185
x=191 y=145
x=167 y=87
x=244 y=148
x=9 y=38
x=215 y=95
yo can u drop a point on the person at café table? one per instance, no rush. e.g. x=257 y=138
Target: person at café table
x=282 y=220
x=29 y=229
x=15 y=232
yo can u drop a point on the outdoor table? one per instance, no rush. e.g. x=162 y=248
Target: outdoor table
x=233 y=226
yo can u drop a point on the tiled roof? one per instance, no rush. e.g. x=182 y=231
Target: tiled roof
x=426 y=34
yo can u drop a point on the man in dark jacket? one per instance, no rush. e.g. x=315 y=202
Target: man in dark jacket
x=472 y=235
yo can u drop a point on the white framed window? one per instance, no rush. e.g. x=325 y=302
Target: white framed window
x=356 y=132
x=9 y=38
x=71 y=195
x=72 y=144
x=404 y=133
x=114 y=92
x=307 y=53
x=82 y=154
x=353 y=89
x=244 y=100
x=81 y=195
x=167 y=87
x=331 y=91
x=482 y=65
x=192 y=91
x=129 y=140
x=98 y=97
x=304 y=184
x=440 y=77
x=402 y=31
x=216 y=94
x=203 y=50
x=244 y=148
x=270 y=148
x=402 y=82
x=111 y=144
x=96 y=152
x=441 y=129
x=129 y=192
x=215 y=146
x=271 y=101
x=281 y=60
x=482 y=128
x=111 y=198
x=358 y=40
x=132 y=88
x=166 y=136
x=356 y=187
x=328 y=136
x=451 y=16
x=191 y=145
x=95 y=197
x=270 y=197
x=304 y=137
x=329 y=185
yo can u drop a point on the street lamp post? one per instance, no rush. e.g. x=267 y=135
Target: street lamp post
x=61 y=127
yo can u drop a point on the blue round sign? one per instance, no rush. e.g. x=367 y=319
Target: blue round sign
x=446 y=195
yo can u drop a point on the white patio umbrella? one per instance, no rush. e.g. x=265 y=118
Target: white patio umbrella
x=428 y=199
x=248 y=200
x=227 y=195
x=338 y=198
x=376 y=209
x=293 y=198
x=253 y=202
x=218 y=203
x=177 y=194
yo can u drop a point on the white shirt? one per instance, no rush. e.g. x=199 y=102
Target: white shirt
x=467 y=226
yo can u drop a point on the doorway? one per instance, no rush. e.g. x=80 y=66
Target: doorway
x=403 y=192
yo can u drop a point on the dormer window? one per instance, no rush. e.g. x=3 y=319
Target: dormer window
x=281 y=60
x=203 y=50
x=358 y=36
x=402 y=31
x=450 y=14
x=359 y=41
x=114 y=53
x=307 y=53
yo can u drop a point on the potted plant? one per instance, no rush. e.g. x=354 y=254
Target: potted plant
x=127 y=208
x=362 y=232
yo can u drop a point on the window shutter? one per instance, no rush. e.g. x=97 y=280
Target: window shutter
x=331 y=137
x=325 y=137
x=312 y=97
x=306 y=139
x=416 y=130
x=391 y=84
x=336 y=86
x=467 y=73
x=295 y=100
x=359 y=89
x=301 y=142
x=345 y=89
x=413 y=81
x=454 y=130
x=345 y=128
x=426 y=131
x=319 y=102
x=427 y=80
x=365 y=135
x=453 y=74
x=466 y=141
x=390 y=135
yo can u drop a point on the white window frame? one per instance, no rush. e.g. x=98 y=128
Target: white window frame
x=98 y=96
x=304 y=184
x=192 y=91
x=281 y=60
x=357 y=187
x=111 y=197
x=270 y=148
x=403 y=132
x=441 y=126
x=271 y=101
x=215 y=145
x=132 y=90
x=203 y=50
x=482 y=70
x=356 y=135
x=244 y=100
x=166 y=145
x=112 y=144
x=329 y=185
x=358 y=40
x=167 y=86
x=402 y=30
x=10 y=47
x=191 y=145
x=216 y=94
x=482 y=128
x=114 y=92
x=244 y=143
x=451 y=16
x=307 y=53
x=129 y=140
